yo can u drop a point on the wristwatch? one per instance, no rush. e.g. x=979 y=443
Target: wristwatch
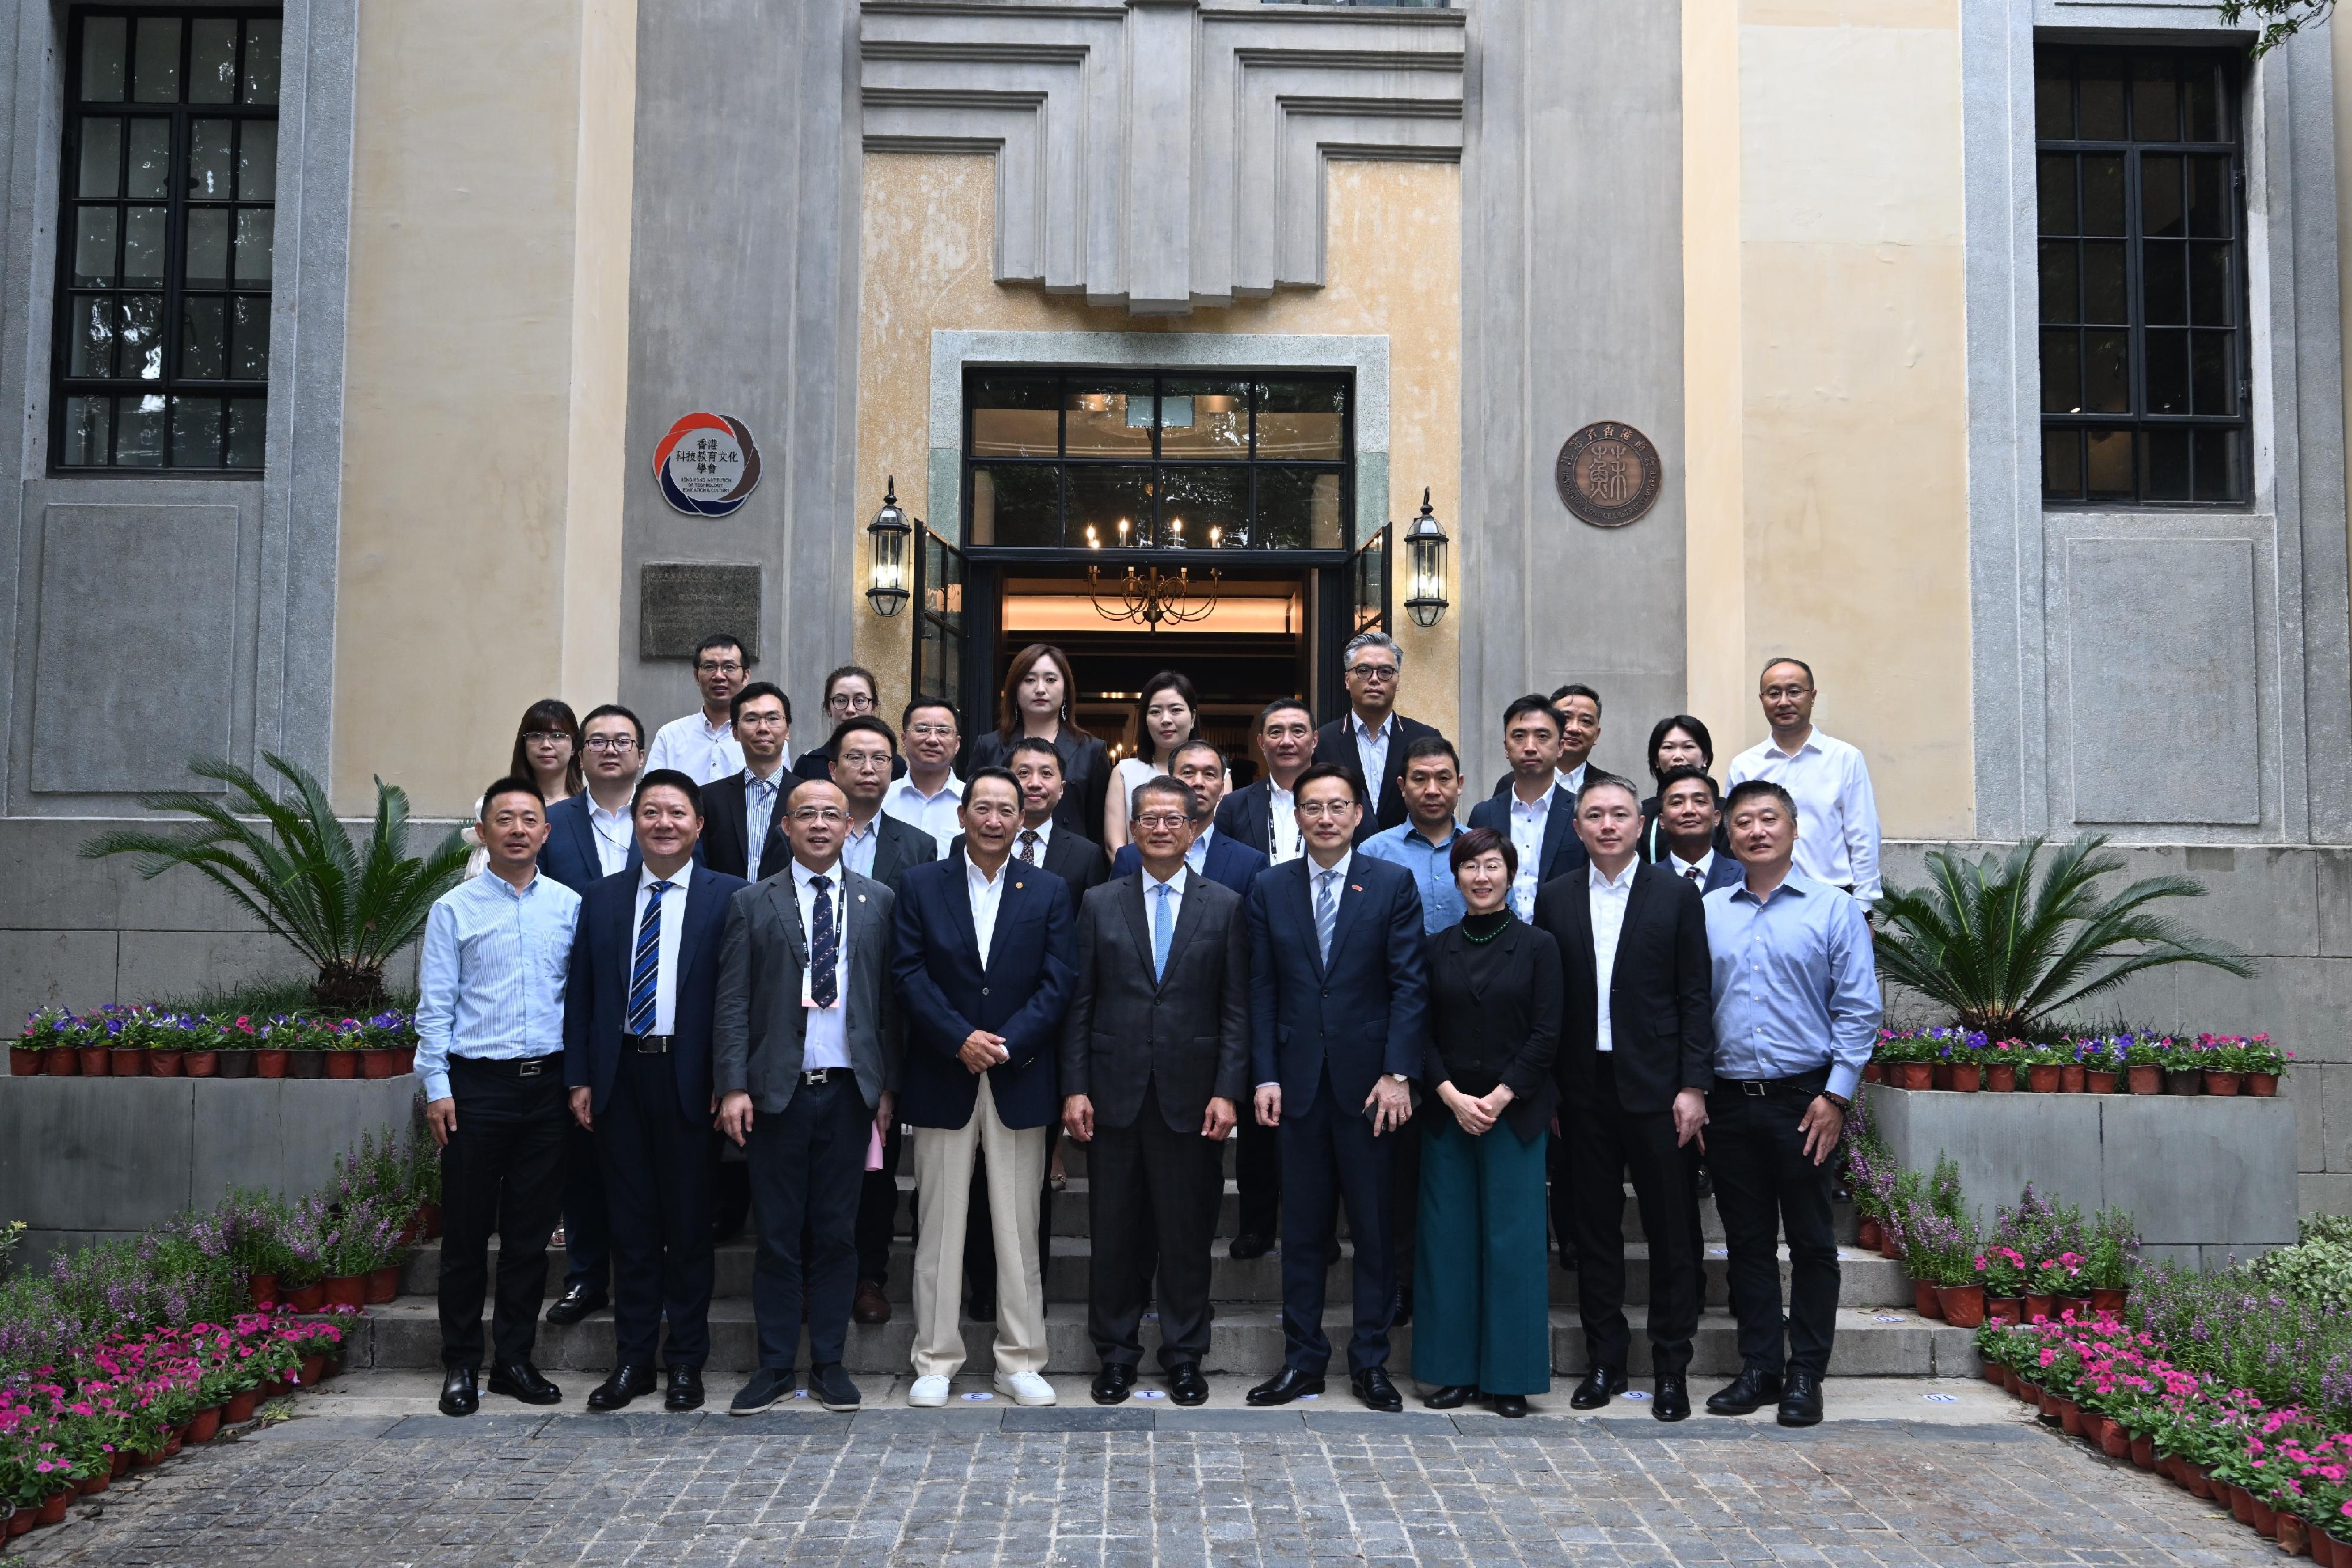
x=1399 y=1078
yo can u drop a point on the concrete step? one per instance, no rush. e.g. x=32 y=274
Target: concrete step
x=1864 y=1277
x=1246 y=1340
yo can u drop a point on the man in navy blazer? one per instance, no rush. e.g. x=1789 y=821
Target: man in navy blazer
x=1535 y=813
x=1338 y=1005
x=636 y=1057
x=1220 y=857
x=980 y=953
x=1690 y=808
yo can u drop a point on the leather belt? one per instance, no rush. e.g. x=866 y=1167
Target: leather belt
x=648 y=1044
x=1806 y=1084
x=822 y=1074
x=526 y=1067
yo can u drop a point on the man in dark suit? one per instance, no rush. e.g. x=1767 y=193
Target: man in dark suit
x=1579 y=706
x=1370 y=740
x=808 y=1045
x=591 y=836
x=1637 y=1045
x=1690 y=814
x=746 y=809
x=979 y=952
x=636 y=1057
x=1263 y=815
x=1339 y=1003
x=1536 y=814
x=1154 y=1060
x=1223 y=859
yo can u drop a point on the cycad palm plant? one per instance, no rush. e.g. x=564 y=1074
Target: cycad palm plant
x=291 y=864
x=2006 y=941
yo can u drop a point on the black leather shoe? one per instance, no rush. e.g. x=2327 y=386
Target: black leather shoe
x=458 y=1395
x=520 y=1380
x=1801 y=1400
x=1401 y=1310
x=685 y=1389
x=1509 y=1407
x=1672 y=1400
x=1283 y=1386
x=626 y=1383
x=1598 y=1386
x=576 y=1303
x=1186 y=1385
x=1746 y=1393
x=1249 y=1244
x=1113 y=1384
x=833 y=1388
x=1373 y=1388
x=1453 y=1397
x=767 y=1386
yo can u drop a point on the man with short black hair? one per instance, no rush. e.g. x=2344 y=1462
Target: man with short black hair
x=930 y=796
x=1538 y=814
x=743 y=826
x=1424 y=842
x=1199 y=766
x=1262 y=814
x=1837 y=810
x=1579 y=706
x=489 y=1055
x=879 y=844
x=702 y=745
x=591 y=835
x=1690 y=812
x=1373 y=738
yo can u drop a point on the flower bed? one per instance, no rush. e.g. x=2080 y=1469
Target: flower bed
x=1966 y=1061
x=121 y=1042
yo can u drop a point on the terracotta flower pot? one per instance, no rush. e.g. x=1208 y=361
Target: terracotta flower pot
x=343 y=1063
x=2265 y=1519
x=2189 y=1080
x=203 y=1063
x=306 y=1064
x=2262 y=1085
x=53 y=1509
x=2000 y=1078
x=2042 y=1078
x=1872 y=1072
x=2146 y=1080
x=127 y=1061
x=261 y=1288
x=239 y=1408
x=346 y=1289
x=121 y=1460
x=1922 y=1300
x=95 y=1061
x=24 y=1060
x=2070 y=1417
x=2293 y=1535
x=1967 y=1077
x=2199 y=1483
x=270 y=1063
x=204 y=1425
x=2069 y=1078
x=2097 y=1083
x=165 y=1063
x=1995 y=1373
x=314 y=1368
x=1941 y=1078
x=383 y=1285
x=2053 y=1407
x=14 y=1522
x=379 y=1061
x=403 y=1059
x=1888 y=1247
x=2078 y=1305
x=61 y=1062
x=2221 y=1083
x=237 y=1063
x=1866 y=1234
x=97 y=1483
x=2108 y=1304
x=2143 y=1451
x=1915 y=1076
x=1963 y=1305
x=273 y=1388
x=2004 y=1308
x=2011 y=1381
x=2039 y=1307
x=308 y=1298
x=2114 y=1441
x=2334 y=1545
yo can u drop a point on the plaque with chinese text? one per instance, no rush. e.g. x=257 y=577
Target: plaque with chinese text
x=708 y=464
x=1608 y=474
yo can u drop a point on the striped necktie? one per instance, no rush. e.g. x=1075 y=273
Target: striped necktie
x=1326 y=911
x=644 y=968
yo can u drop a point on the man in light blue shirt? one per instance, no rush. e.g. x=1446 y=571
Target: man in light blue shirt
x=1424 y=842
x=490 y=1052
x=1796 y=1011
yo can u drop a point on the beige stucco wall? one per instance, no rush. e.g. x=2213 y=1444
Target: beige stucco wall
x=1393 y=258
x=486 y=364
x=1826 y=381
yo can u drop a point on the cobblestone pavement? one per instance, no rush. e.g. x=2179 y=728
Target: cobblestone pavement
x=1081 y=1486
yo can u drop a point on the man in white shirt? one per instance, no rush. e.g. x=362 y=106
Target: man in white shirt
x=702 y=744
x=1837 y=813
x=1579 y=706
x=930 y=796
x=1264 y=815
x=1537 y=813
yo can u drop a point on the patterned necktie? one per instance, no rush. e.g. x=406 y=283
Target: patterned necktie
x=1326 y=911
x=824 y=944
x=1160 y=931
x=1028 y=846
x=644 y=968
x=1691 y=876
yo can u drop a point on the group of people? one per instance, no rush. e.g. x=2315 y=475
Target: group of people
x=710 y=976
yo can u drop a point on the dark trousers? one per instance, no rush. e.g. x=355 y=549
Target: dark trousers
x=1404 y=1174
x=656 y=1167
x=1257 y=1175
x=1607 y=1141
x=878 y=1210
x=587 y=1227
x=503 y=1172
x=1764 y=1186
x=807 y=1163
x=1329 y=1157
x=1150 y=1186
x=1558 y=1163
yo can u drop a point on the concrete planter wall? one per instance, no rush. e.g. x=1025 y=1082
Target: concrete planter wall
x=86 y=1158
x=2207 y=1177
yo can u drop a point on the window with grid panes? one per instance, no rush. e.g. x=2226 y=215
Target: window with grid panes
x=2144 y=379
x=169 y=188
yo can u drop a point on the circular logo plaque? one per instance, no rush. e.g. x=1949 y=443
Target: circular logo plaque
x=708 y=464
x=1608 y=474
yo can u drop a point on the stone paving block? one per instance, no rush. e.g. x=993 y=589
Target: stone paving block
x=1064 y=1418
x=467 y=1429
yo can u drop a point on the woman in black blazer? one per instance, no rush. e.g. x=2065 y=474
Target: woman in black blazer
x=1481 y=1269
x=1038 y=691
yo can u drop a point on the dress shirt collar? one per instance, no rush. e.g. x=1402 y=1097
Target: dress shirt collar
x=752 y=779
x=952 y=789
x=1413 y=834
x=803 y=876
x=1795 y=882
x=979 y=881
x=1365 y=733
x=1810 y=743
x=723 y=731
x=648 y=876
x=1538 y=806
x=1572 y=778
x=597 y=813
x=1618 y=883
x=1338 y=867
x=510 y=888
x=1175 y=884
x=1278 y=792
x=1704 y=865
x=1045 y=832
x=873 y=826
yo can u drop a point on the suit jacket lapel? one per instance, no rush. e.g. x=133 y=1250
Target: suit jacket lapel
x=697 y=888
x=1510 y=939
x=959 y=905
x=1636 y=897
x=1188 y=920
x=1132 y=905
x=1352 y=897
x=1559 y=826
x=583 y=836
x=1303 y=879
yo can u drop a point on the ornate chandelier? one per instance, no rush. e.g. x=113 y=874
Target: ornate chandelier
x=1152 y=596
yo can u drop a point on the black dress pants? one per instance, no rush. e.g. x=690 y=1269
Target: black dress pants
x=1764 y=1185
x=808 y=1163
x=502 y=1171
x=1257 y=1175
x=1608 y=1140
x=587 y=1225
x=1152 y=1187
x=1329 y=1157
x=658 y=1170
x=877 y=1209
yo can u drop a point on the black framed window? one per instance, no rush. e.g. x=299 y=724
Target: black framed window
x=1070 y=459
x=2142 y=276
x=169 y=189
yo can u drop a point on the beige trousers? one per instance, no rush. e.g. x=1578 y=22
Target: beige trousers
x=1016 y=1177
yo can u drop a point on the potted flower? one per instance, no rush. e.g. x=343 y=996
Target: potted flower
x=2003 y=1271
x=1967 y=1055
x=1908 y=1058
x=2264 y=1063
x=2102 y=1059
x=343 y=1046
x=1960 y=1288
x=44 y=1031
x=2003 y=1059
x=2041 y=1063
x=2184 y=1069
x=380 y=1044
x=238 y=1040
x=273 y=1047
x=2073 y=1075
x=2110 y=1254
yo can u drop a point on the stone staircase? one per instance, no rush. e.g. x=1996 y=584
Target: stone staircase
x=1878 y=1335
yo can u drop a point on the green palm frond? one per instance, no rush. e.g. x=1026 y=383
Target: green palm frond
x=291 y=864
x=2010 y=939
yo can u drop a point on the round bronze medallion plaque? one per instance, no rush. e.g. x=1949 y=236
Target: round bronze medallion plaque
x=1608 y=474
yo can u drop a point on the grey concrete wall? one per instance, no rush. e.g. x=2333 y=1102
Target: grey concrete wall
x=2207 y=1180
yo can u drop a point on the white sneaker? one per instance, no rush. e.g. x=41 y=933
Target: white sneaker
x=1024 y=1388
x=930 y=1393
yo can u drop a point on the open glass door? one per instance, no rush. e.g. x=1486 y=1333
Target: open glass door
x=1367 y=575
x=939 y=629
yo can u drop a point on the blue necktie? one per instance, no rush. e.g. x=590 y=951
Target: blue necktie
x=825 y=977
x=644 y=968
x=1326 y=911
x=1160 y=931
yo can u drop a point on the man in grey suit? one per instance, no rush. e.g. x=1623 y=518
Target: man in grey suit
x=1155 y=1059
x=805 y=1043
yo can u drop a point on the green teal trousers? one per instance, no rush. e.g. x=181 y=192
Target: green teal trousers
x=1482 y=1269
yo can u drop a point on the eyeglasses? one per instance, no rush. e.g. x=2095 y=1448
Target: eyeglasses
x=1316 y=810
x=543 y=737
x=819 y=814
x=611 y=743
x=729 y=668
x=932 y=731
x=850 y=702
x=1374 y=671
x=1162 y=819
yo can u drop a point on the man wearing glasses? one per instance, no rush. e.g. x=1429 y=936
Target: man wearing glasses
x=1372 y=739
x=848 y=694
x=702 y=745
x=930 y=796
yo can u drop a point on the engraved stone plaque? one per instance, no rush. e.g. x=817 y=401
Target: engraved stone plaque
x=681 y=603
x=1608 y=474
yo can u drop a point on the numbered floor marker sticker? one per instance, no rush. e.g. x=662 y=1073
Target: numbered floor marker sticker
x=976 y=1399
x=1941 y=1399
x=1151 y=1394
